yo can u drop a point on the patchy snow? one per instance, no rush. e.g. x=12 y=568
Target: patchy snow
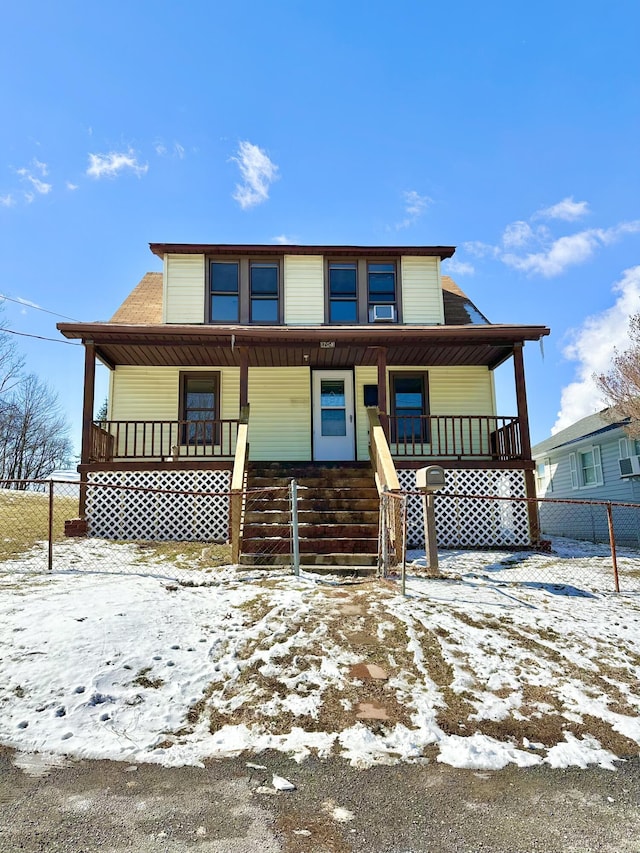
x=115 y=663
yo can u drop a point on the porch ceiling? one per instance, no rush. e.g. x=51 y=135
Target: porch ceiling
x=286 y=346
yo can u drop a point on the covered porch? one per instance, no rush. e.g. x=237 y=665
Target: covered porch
x=374 y=353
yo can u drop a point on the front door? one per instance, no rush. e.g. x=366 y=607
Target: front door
x=333 y=427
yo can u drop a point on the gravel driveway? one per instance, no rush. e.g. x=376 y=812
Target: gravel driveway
x=228 y=807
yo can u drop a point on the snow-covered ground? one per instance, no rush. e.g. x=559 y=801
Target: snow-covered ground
x=118 y=663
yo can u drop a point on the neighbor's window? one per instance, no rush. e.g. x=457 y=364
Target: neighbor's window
x=264 y=292
x=381 y=284
x=200 y=407
x=343 y=293
x=586 y=468
x=224 y=292
x=409 y=405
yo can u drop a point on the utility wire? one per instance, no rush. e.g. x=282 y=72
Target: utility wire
x=39 y=337
x=37 y=307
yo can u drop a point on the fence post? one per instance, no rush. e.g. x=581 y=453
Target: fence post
x=50 y=536
x=295 y=541
x=612 y=542
x=405 y=498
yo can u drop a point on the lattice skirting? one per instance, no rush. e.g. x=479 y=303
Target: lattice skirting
x=115 y=513
x=468 y=522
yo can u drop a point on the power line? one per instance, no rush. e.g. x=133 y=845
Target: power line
x=39 y=337
x=37 y=307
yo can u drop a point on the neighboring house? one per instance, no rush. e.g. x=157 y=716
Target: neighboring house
x=591 y=460
x=307 y=344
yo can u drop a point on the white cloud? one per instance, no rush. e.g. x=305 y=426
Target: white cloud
x=517 y=234
x=71 y=186
x=7 y=200
x=112 y=164
x=39 y=186
x=593 y=346
x=567 y=209
x=161 y=149
x=284 y=240
x=568 y=251
x=458 y=267
x=258 y=173
x=179 y=150
x=29 y=197
x=480 y=249
x=414 y=206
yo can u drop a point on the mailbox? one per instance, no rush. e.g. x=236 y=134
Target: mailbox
x=431 y=478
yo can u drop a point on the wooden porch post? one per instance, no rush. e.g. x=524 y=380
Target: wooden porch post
x=87 y=414
x=244 y=378
x=525 y=442
x=382 y=389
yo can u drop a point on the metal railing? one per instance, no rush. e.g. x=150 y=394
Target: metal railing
x=455 y=436
x=114 y=441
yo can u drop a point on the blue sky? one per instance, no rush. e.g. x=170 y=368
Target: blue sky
x=508 y=131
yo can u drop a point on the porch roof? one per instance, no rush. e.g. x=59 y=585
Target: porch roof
x=288 y=346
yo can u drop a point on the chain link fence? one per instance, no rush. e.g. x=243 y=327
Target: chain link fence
x=40 y=530
x=584 y=546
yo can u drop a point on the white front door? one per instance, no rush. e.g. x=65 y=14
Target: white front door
x=333 y=426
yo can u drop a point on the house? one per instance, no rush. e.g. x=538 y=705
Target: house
x=594 y=459
x=347 y=367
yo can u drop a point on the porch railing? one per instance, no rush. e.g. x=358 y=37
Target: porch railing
x=455 y=436
x=116 y=441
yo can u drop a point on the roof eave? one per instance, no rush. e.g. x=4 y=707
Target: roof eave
x=162 y=249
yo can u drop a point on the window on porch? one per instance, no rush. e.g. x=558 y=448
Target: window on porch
x=409 y=405
x=199 y=407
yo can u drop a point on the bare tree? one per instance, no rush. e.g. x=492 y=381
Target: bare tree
x=11 y=362
x=34 y=435
x=621 y=384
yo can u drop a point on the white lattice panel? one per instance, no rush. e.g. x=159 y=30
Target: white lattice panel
x=116 y=513
x=468 y=522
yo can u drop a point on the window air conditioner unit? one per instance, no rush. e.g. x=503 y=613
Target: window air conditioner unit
x=383 y=313
x=629 y=466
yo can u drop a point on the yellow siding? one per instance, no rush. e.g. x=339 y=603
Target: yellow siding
x=421 y=291
x=363 y=376
x=184 y=289
x=452 y=391
x=303 y=290
x=461 y=391
x=280 y=418
x=152 y=394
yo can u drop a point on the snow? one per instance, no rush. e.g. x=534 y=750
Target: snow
x=100 y=660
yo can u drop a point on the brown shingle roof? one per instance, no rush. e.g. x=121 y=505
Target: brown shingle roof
x=459 y=310
x=144 y=304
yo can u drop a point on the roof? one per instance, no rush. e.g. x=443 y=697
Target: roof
x=143 y=304
x=162 y=249
x=589 y=427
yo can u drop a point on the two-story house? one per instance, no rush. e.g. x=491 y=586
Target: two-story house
x=312 y=355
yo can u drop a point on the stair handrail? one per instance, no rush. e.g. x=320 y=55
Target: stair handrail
x=240 y=461
x=380 y=454
x=386 y=478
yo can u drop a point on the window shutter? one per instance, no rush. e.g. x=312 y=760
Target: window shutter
x=623 y=448
x=597 y=463
x=574 y=470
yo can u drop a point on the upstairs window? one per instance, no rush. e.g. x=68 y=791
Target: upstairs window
x=199 y=407
x=264 y=292
x=225 y=300
x=343 y=293
x=381 y=286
